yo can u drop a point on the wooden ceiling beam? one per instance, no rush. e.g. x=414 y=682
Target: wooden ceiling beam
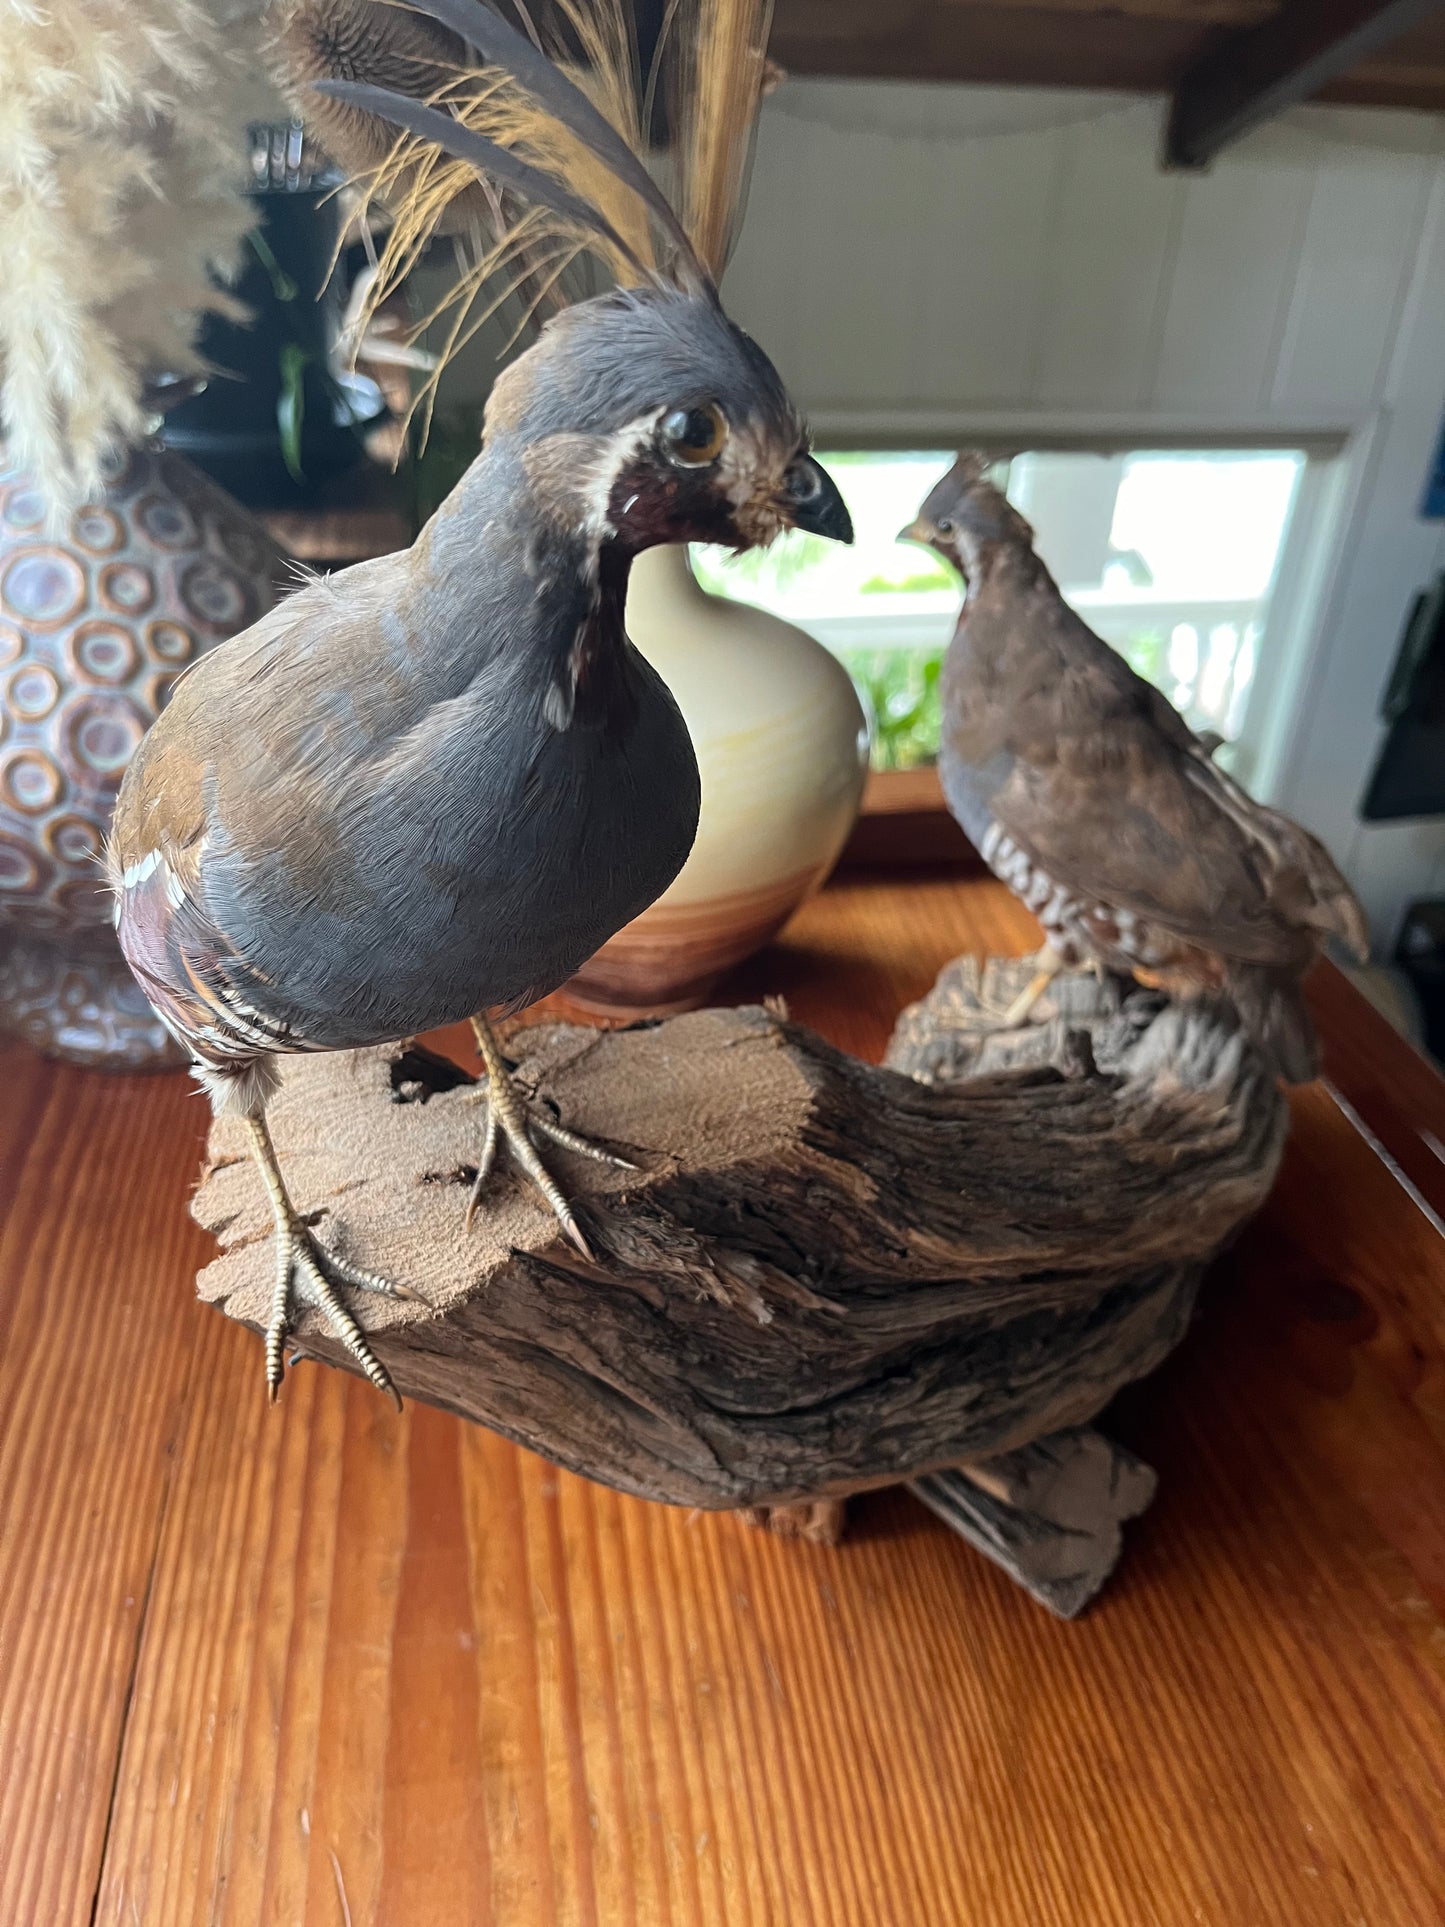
x=1193 y=13
x=1251 y=75
x=991 y=42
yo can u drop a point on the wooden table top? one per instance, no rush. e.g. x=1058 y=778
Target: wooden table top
x=325 y=1665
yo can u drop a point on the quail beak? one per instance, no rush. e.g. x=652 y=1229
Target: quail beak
x=919 y=531
x=813 y=502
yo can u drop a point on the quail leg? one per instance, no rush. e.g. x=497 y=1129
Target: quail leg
x=308 y=1274
x=515 y=1119
x=1049 y=964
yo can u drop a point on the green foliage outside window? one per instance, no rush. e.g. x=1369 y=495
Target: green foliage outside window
x=899 y=690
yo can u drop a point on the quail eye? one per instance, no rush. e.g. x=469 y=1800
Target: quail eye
x=944 y=525
x=693 y=437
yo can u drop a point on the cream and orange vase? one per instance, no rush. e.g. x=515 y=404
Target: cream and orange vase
x=783 y=749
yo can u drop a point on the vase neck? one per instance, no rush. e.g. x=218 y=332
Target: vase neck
x=661 y=578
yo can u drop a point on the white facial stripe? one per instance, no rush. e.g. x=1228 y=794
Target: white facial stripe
x=749 y=473
x=613 y=455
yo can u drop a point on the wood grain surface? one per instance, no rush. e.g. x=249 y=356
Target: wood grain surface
x=324 y=1665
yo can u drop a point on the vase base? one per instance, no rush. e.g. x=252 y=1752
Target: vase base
x=673 y=956
x=630 y=1003
x=83 y=1009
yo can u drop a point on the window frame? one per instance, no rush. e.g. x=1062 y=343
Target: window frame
x=1337 y=456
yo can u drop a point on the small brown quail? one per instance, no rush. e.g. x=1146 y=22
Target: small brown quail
x=1085 y=791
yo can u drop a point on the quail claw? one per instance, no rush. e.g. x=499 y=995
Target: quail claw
x=484 y=1162
x=517 y=1122
x=508 y=1122
x=308 y=1274
x=574 y=1232
x=584 y=1147
x=361 y=1280
x=302 y=1268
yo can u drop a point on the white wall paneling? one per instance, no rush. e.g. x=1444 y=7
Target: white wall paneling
x=929 y=264
x=985 y=248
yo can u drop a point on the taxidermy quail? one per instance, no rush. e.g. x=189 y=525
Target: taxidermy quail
x=1087 y=794
x=431 y=786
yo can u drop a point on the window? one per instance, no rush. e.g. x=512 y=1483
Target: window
x=1170 y=555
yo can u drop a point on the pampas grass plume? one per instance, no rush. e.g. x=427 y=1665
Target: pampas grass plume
x=122 y=177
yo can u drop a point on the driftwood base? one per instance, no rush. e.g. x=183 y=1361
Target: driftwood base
x=1050 y=1514
x=824 y=1275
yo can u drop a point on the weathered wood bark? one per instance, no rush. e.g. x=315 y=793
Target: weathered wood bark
x=825 y=1275
x=1050 y=1514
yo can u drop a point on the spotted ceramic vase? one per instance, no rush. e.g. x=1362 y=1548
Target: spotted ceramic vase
x=96 y=624
x=782 y=747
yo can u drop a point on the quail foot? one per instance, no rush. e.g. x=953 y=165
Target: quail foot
x=516 y=1121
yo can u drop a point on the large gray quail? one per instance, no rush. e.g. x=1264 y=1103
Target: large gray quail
x=431 y=786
